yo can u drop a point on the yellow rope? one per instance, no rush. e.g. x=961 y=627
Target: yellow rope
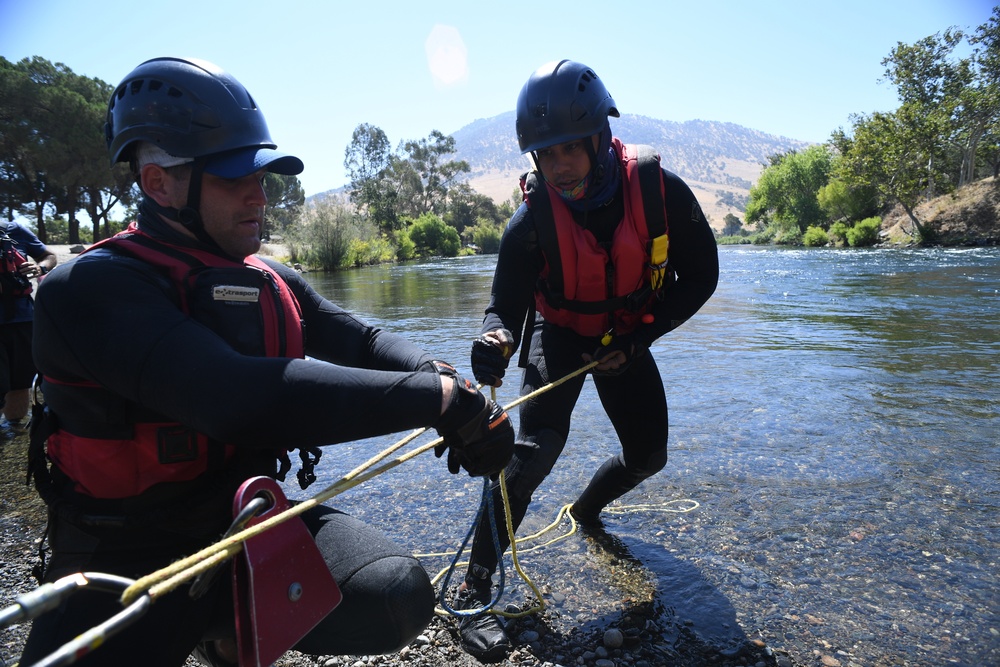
x=167 y=579
x=685 y=505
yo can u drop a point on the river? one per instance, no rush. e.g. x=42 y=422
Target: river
x=833 y=485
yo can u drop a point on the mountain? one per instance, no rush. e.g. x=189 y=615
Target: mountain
x=719 y=161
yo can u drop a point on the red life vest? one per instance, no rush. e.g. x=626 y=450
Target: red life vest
x=108 y=465
x=13 y=284
x=581 y=286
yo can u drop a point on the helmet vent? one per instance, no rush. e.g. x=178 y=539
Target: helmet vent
x=136 y=86
x=155 y=85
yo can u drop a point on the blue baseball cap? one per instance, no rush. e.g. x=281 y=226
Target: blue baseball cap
x=244 y=161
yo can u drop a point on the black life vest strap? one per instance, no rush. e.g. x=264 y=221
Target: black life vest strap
x=651 y=185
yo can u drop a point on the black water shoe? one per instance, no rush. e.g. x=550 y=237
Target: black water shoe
x=482 y=636
x=587 y=521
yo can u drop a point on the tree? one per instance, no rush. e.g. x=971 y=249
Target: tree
x=985 y=96
x=887 y=157
x=368 y=160
x=52 y=141
x=436 y=177
x=731 y=225
x=786 y=191
x=466 y=208
x=285 y=199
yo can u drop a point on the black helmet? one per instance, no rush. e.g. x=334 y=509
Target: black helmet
x=560 y=102
x=192 y=109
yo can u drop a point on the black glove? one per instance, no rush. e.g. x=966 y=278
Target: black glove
x=477 y=433
x=490 y=356
x=629 y=344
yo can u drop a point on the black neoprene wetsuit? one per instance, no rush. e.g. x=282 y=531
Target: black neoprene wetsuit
x=634 y=400
x=114 y=321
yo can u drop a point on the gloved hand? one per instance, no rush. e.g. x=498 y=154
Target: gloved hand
x=477 y=433
x=618 y=355
x=491 y=353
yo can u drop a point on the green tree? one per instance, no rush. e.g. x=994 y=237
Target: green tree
x=842 y=201
x=426 y=157
x=984 y=105
x=53 y=149
x=466 y=208
x=368 y=160
x=786 y=191
x=886 y=157
x=432 y=236
x=285 y=201
x=731 y=225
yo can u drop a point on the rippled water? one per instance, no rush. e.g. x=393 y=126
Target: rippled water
x=834 y=416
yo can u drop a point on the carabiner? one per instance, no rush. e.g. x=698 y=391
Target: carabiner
x=48 y=596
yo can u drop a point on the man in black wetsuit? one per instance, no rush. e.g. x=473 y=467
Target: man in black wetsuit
x=608 y=252
x=176 y=365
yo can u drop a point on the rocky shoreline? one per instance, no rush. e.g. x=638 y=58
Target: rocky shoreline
x=635 y=640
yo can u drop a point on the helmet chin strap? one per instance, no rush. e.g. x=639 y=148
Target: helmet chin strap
x=189 y=216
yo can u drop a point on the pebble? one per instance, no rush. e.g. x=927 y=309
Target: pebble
x=613 y=638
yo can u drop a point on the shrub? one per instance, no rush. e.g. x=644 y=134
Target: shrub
x=363 y=252
x=405 y=248
x=815 y=237
x=865 y=233
x=330 y=236
x=838 y=233
x=432 y=236
x=486 y=237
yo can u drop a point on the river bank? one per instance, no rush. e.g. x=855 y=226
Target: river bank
x=635 y=641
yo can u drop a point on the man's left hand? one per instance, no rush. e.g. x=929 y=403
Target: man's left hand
x=617 y=355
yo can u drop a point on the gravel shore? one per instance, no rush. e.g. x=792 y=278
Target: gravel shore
x=636 y=639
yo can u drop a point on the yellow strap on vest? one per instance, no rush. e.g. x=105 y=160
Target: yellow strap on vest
x=658 y=260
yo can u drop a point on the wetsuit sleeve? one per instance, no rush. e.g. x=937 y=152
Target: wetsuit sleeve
x=113 y=321
x=519 y=263
x=693 y=255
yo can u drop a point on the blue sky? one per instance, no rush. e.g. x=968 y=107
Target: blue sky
x=318 y=69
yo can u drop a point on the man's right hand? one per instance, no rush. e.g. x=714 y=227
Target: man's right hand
x=491 y=353
x=477 y=432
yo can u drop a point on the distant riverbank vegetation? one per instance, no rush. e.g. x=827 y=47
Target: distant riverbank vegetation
x=411 y=202
x=945 y=135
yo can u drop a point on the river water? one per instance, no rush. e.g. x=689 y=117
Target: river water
x=833 y=487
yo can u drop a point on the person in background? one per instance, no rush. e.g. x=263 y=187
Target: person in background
x=22 y=258
x=607 y=253
x=177 y=364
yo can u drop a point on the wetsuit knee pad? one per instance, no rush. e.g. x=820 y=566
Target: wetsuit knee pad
x=407 y=600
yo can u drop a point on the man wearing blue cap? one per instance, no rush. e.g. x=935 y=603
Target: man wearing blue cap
x=175 y=367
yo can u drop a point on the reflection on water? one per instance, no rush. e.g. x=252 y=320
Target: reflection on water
x=834 y=413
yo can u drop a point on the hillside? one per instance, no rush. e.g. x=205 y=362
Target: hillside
x=968 y=216
x=719 y=161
